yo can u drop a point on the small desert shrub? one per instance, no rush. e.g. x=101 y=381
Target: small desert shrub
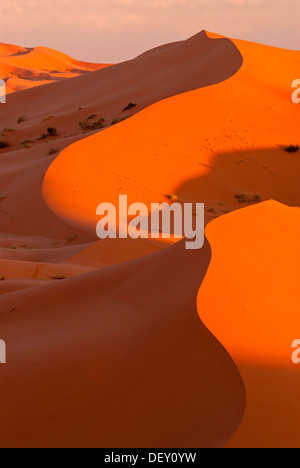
x=27 y=143
x=21 y=119
x=292 y=149
x=98 y=124
x=242 y=198
x=8 y=130
x=91 y=117
x=211 y=210
x=59 y=277
x=84 y=125
x=120 y=119
x=131 y=105
x=87 y=127
x=4 y=144
x=2 y=278
x=53 y=151
x=52 y=131
x=3 y=197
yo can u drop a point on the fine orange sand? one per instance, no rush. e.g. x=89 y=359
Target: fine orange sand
x=255 y=314
x=105 y=344
x=23 y=68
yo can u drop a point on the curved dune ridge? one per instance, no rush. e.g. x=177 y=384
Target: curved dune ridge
x=117 y=355
x=24 y=68
x=237 y=125
x=115 y=358
x=209 y=145
x=177 y=68
x=241 y=154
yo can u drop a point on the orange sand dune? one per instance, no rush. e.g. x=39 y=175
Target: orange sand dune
x=253 y=310
x=175 y=69
x=165 y=72
x=209 y=416
x=236 y=147
x=207 y=145
x=120 y=345
x=24 y=68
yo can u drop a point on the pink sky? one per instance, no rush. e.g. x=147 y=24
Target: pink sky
x=116 y=30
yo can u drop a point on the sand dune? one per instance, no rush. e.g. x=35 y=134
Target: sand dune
x=107 y=359
x=116 y=354
x=24 y=68
x=165 y=72
x=63 y=105
x=259 y=250
x=208 y=145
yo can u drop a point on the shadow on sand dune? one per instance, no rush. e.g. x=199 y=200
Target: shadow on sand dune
x=250 y=301
x=156 y=75
x=118 y=358
x=272 y=408
x=235 y=177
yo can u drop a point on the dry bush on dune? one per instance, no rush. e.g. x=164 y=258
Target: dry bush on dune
x=242 y=198
x=53 y=151
x=130 y=106
x=52 y=131
x=59 y=277
x=21 y=119
x=87 y=127
x=120 y=119
x=292 y=149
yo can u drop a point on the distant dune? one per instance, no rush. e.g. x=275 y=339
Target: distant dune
x=24 y=68
x=125 y=343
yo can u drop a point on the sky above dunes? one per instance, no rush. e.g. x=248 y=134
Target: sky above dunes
x=116 y=30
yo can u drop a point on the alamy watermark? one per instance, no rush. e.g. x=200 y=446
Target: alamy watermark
x=165 y=221
x=296 y=93
x=2 y=92
x=296 y=353
x=2 y=352
x=296 y=343
x=150 y=457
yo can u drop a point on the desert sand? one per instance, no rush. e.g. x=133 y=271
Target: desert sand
x=122 y=343
x=259 y=250
x=23 y=68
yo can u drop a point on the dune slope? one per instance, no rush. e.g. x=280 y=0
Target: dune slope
x=255 y=315
x=199 y=61
x=120 y=345
x=222 y=145
x=109 y=359
x=228 y=156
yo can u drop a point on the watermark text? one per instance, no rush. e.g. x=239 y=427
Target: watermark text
x=164 y=221
x=2 y=92
x=296 y=93
x=2 y=352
